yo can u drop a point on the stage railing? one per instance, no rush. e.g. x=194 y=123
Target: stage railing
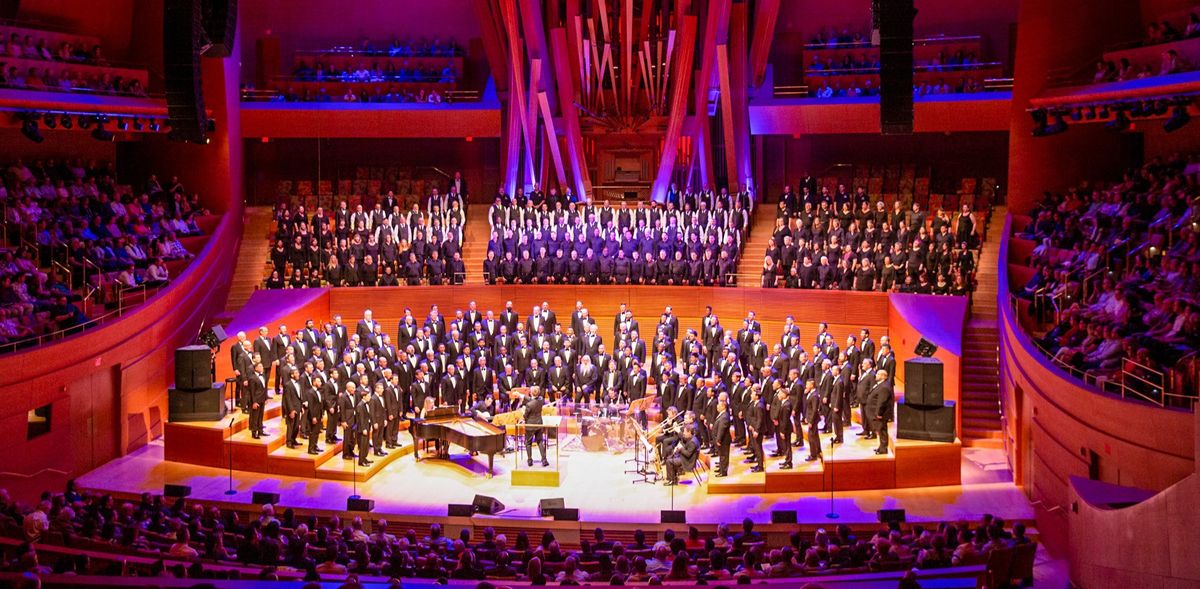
x=1149 y=387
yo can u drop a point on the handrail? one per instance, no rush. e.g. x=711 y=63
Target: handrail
x=354 y=52
x=38 y=473
x=916 y=68
x=1092 y=378
x=38 y=340
x=346 y=77
x=866 y=43
x=1050 y=509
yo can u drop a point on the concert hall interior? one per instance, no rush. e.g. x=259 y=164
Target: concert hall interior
x=498 y=293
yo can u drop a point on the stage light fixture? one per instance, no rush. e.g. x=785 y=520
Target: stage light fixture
x=1039 y=122
x=1119 y=123
x=1060 y=124
x=29 y=128
x=1161 y=107
x=122 y=124
x=1103 y=112
x=1091 y=114
x=1179 y=118
x=85 y=122
x=137 y=124
x=102 y=134
x=1077 y=114
x=65 y=121
x=50 y=121
x=155 y=125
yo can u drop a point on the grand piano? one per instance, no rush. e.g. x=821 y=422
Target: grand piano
x=447 y=426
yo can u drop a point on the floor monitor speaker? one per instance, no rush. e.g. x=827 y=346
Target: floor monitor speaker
x=488 y=505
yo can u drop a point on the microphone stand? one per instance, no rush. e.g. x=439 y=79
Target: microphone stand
x=229 y=449
x=833 y=514
x=354 y=468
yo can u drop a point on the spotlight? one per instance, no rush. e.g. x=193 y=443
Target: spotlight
x=1060 y=124
x=85 y=121
x=1091 y=114
x=102 y=134
x=1039 y=122
x=29 y=128
x=1119 y=123
x=50 y=121
x=137 y=124
x=154 y=125
x=1103 y=112
x=65 y=121
x=1179 y=118
x=1077 y=115
x=1161 y=107
x=122 y=124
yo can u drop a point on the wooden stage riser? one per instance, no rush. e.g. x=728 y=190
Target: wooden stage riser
x=907 y=468
x=846 y=312
x=911 y=463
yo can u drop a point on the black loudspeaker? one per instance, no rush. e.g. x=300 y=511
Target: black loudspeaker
x=546 y=506
x=176 y=490
x=360 y=504
x=924 y=382
x=488 y=505
x=939 y=423
x=925 y=348
x=264 y=498
x=895 y=18
x=193 y=368
x=887 y=516
x=671 y=516
x=460 y=510
x=783 y=517
x=183 y=42
x=931 y=424
x=220 y=26
x=203 y=405
x=566 y=514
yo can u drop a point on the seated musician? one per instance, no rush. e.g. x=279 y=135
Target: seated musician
x=669 y=433
x=482 y=409
x=683 y=456
x=429 y=405
x=531 y=407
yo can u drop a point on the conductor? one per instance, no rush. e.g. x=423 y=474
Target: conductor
x=532 y=415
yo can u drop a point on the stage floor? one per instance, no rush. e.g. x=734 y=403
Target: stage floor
x=594 y=482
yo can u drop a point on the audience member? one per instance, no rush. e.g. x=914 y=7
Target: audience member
x=1116 y=268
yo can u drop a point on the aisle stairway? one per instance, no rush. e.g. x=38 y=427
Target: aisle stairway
x=252 y=257
x=981 y=426
x=475 y=242
x=750 y=266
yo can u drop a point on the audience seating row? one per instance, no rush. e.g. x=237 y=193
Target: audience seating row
x=1105 y=276
x=93 y=535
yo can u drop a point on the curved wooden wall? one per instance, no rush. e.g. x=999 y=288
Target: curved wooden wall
x=1054 y=423
x=107 y=386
